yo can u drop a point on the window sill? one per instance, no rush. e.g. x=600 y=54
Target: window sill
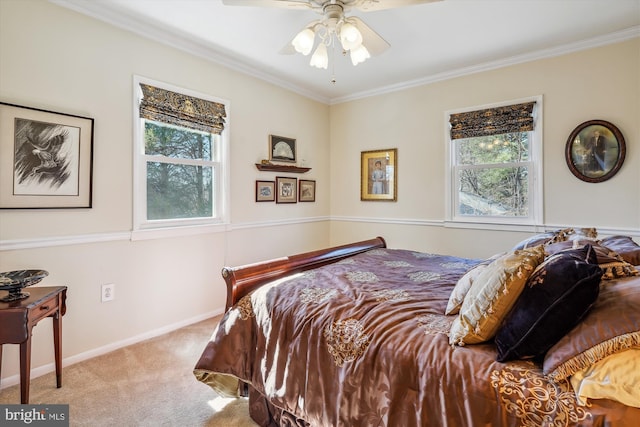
x=168 y=232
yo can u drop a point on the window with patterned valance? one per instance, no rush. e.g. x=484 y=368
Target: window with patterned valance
x=492 y=121
x=162 y=105
x=180 y=157
x=495 y=166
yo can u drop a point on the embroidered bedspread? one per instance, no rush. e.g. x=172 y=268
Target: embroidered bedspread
x=363 y=342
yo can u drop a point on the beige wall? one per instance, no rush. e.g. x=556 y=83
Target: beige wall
x=55 y=59
x=601 y=83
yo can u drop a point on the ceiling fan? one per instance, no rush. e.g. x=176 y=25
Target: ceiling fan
x=335 y=29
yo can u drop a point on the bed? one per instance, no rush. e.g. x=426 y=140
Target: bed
x=357 y=335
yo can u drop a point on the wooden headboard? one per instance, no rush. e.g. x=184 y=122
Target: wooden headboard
x=243 y=279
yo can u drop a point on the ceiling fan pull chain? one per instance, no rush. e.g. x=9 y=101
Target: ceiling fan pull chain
x=333 y=65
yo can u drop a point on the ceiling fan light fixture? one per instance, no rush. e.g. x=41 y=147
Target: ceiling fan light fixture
x=359 y=54
x=303 y=41
x=320 y=58
x=350 y=36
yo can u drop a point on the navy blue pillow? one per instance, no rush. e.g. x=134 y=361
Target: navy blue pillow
x=557 y=295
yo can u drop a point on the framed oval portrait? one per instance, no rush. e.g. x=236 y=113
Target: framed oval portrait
x=595 y=151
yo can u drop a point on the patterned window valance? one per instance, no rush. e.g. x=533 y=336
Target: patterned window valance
x=492 y=121
x=181 y=110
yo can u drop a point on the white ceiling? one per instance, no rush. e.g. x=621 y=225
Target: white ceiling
x=429 y=42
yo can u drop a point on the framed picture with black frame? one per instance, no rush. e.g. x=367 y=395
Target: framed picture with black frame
x=46 y=159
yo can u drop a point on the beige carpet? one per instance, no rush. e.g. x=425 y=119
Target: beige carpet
x=146 y=384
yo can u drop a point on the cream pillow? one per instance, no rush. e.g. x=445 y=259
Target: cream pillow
x=616 y=377
x=492 y=294
x=464 y=284
x=462 y=287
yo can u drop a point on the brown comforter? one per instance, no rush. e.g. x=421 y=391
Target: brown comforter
x=363 y=342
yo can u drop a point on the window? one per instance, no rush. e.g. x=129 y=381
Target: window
x=495 y=164
x=180 y=147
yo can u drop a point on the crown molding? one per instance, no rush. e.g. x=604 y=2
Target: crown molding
x=112 y=14
x=617 y=37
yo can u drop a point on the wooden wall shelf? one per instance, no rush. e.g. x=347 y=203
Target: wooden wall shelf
x=281 y=168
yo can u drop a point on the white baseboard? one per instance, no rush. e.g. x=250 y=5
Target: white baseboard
x=45 y=369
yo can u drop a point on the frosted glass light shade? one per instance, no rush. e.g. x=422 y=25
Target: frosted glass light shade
x=303 y=41
x=320 y=59
x=359 y=54
x=350 y=36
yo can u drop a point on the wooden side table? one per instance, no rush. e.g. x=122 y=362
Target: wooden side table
x=18 y=319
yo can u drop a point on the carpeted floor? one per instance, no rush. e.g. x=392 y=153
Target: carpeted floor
x=146 y=384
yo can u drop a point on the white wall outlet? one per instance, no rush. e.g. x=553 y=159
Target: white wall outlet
x=108 y=292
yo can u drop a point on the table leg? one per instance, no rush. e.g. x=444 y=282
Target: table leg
x=25 y=369
x=57 y=343
x=0 y=363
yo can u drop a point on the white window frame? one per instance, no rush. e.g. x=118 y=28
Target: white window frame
x=140 y=159
x=534 y=220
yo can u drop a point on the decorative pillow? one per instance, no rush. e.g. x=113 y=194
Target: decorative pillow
x=625 y=246
x=615 y=377
x=544 y=239
x=492 y=295
x=557 y=295
x=612 y=325
x=582 y=233
x=464 y=283
x=611 y=263
x=538 y=239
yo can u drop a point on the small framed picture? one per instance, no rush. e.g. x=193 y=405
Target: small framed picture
x=265 y=191
x=595 y=151
x=379 y=174
x=307 y=190
x=286 y=189
x=282 y=149
x=46 y=159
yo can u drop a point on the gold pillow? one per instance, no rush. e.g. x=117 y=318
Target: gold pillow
x=492 y=295
x=615 y=377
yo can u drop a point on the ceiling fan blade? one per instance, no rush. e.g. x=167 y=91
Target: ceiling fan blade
x=373 y=5
x=374 y=43
x=286 y=4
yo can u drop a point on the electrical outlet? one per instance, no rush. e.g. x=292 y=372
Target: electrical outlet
x=108 y=292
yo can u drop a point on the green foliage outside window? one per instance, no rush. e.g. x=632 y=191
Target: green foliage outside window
x=493 y=175
x=180 y=176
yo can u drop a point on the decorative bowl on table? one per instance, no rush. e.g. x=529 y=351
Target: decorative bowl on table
x=15 y=281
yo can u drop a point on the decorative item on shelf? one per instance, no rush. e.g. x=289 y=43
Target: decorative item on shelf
x=15 y=281
x=595 y=151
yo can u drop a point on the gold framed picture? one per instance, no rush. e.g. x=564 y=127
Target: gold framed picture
x=379 y=175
